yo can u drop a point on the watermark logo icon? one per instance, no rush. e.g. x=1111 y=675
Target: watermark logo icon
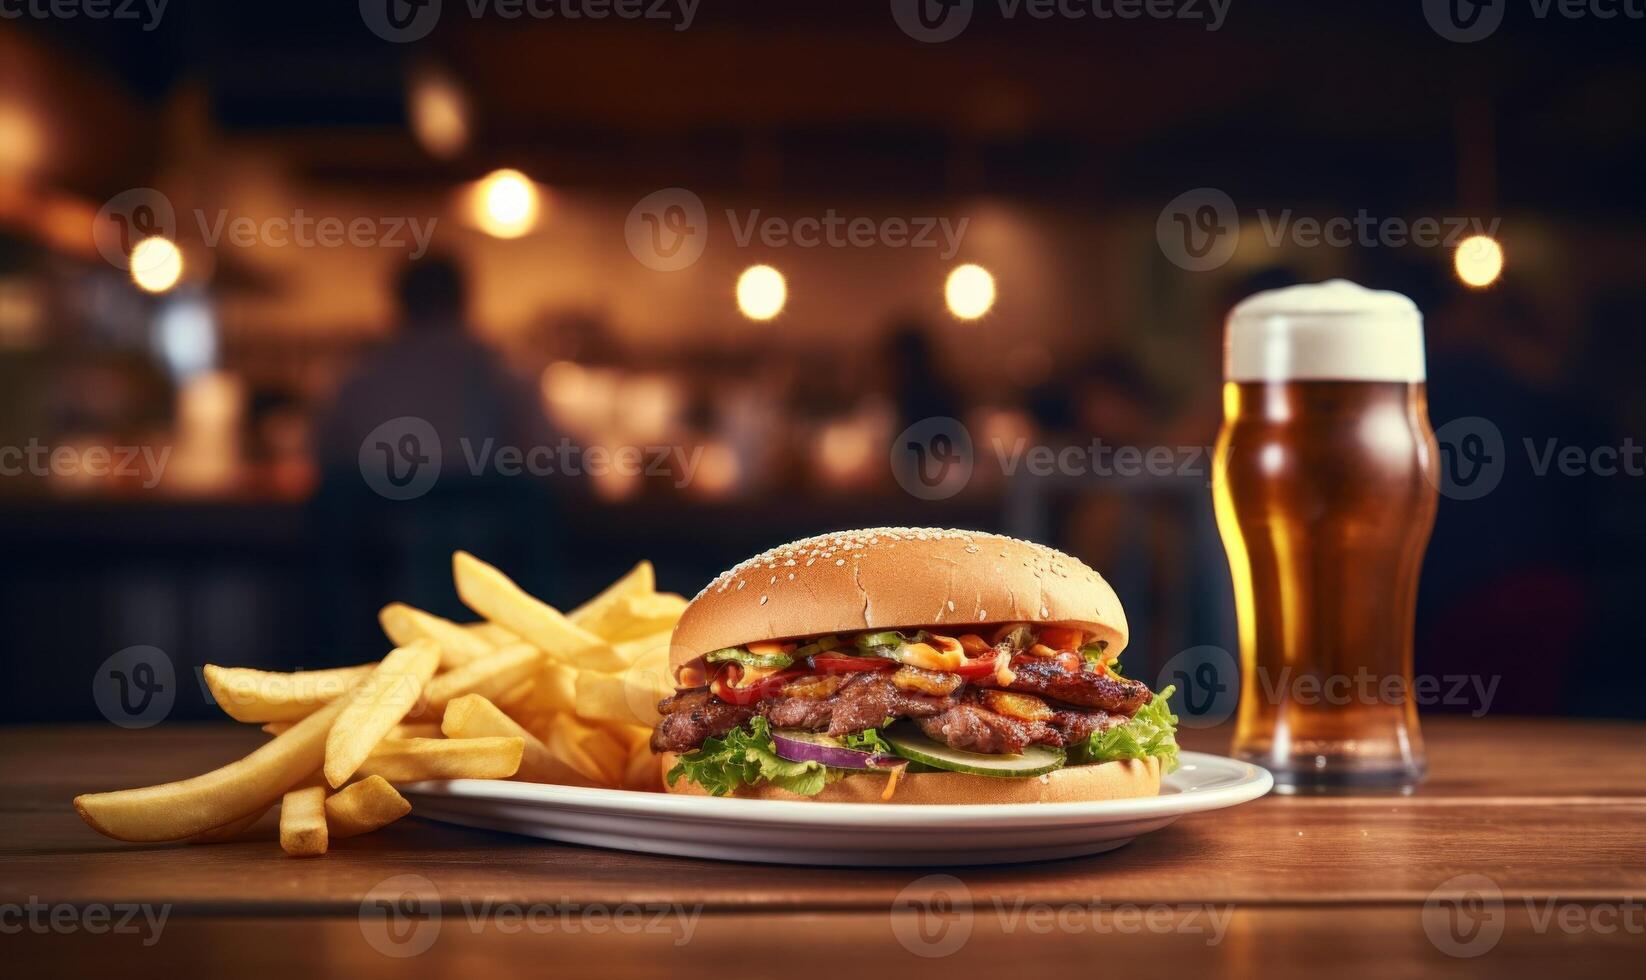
x=129 y=217
x=932 y=916
x=1464 y=21
x=136 y=687
x=642 y=680
x=1206 y=678
x=932 y=21
x=400 y=21
x=667 y=229
x=1464 y=916
x=400 y=459
x=933 y=459
x=1198 y=229
x=400 y=916
x=1472 y=458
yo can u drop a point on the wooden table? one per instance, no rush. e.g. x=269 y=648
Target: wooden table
x=1552 y=814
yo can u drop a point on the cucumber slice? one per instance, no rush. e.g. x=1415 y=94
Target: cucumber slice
x=912 y=744
x=885 y=638
x=748 y=659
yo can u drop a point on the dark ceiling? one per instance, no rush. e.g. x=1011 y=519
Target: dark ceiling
x=1288 y=100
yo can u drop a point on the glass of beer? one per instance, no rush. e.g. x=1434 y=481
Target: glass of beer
x=1325 y=488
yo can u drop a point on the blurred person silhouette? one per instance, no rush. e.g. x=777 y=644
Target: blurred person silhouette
x=410 y=469
x=914 y=377
x=1134 y=520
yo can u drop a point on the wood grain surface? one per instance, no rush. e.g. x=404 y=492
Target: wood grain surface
x=1551 y=813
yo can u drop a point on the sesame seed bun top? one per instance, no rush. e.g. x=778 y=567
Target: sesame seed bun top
x=893 y=578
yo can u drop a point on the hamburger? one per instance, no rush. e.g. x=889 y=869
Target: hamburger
x=912 y=665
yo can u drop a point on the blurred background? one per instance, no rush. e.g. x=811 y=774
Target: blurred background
x=297 y=299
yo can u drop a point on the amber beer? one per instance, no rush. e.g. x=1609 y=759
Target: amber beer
x=1325 y=489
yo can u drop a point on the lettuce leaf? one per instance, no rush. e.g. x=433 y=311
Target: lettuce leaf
x=1150 y=732
x=867 y=740
x=747 y=756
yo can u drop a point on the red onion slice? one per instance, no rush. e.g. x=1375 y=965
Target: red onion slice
x=799 y=746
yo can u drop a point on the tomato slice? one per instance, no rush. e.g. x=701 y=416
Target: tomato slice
x=721 y=686
x=981 y=667
x=836 y=663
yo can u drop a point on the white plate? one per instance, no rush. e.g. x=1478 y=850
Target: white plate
x=783 y=832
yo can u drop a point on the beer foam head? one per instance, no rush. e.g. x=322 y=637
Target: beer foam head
x=1324 y=331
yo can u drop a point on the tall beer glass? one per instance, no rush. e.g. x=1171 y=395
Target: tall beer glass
x=1325 y=490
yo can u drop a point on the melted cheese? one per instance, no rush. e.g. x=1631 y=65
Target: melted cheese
x=927 y=656
x=892 y=779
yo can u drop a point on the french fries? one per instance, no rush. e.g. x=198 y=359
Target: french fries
x=364 y=807
x=263 y=695
x=376 y=706
x=406 y=625
x=627 y=698
x=555 y=690
x=636 y=616
x=303 y=821
x=174 y=811
x=472 y=716
x=495 y=596
x=229 y=831
x=490 y=677
x=492 y=633
x=413 y=759
x=644 y=772
x=526 y=693
x=639 y=580
x=406 y=729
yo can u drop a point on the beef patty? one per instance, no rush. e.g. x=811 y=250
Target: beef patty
x=870 y=700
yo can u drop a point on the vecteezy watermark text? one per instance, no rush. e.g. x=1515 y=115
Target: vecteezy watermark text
x=302 y=230
x=934 y=916
x=37 y=459
x=1465 y=916
x=668 y=229
x=935 y=458
x=1199 y=229
x=152 y=10
x=403 y=916
x=143 y=212
x=936 y=21
x=1208 y=683
x=402 y=459
x=404 y=21
x=96 y=919
x=1467 y=21
x=1474 y=457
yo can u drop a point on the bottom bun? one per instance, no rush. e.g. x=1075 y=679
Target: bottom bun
x=1104 y=781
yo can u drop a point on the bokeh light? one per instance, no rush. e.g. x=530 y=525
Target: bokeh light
x=506 y=204
x=439 y=114
x=1478 y=261
x=761 y=292
x=156 y=264
x=969 y=291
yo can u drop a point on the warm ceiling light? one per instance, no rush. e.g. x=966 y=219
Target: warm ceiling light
x=1478 y=260
x=969 y=291
x=761 y=292
x=156 y=264
x=439 y=113
x=506 y=204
